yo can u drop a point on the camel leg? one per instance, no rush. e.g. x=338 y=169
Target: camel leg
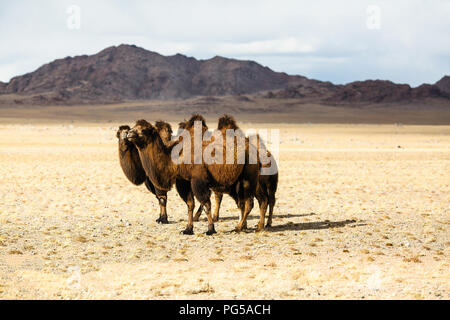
x=185 y=192
x=203 y=194
x=211 y=230
x=162 y=199
x=162 y=211
x=263 y=202
x=241 y=214
x=190 y=226
x=198 y=213
x=248 y=208
x=218 y=196
x=238 y=198
x=271 y=205
x=246 y=194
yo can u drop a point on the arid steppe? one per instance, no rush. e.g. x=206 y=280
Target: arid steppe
x=362 y=212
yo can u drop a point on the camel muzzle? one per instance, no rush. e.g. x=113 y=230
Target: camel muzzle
x=131 y=135
x=124 y=135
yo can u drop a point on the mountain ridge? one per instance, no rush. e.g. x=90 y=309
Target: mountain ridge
x=128 y=72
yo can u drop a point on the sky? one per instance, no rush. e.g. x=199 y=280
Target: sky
x=405 y=41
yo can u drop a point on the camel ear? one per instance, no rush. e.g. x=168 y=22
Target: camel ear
x=118 y=134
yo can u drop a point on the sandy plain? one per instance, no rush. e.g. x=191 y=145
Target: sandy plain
x=362 y=212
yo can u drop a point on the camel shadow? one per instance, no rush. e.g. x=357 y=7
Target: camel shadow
x=256 y=217
x=319 y=225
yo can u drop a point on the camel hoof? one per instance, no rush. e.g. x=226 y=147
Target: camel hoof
x=211 y=230
x=189 y=230
x=237 y=230
x=162 y=220
x=268 y=226
x=259 y=229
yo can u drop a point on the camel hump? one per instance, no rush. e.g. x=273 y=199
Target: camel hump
x=182 y=124
x=227 y=122
x=162 y=125
x=196 y=117
x=143 y=123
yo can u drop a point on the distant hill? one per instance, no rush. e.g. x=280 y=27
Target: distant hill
x=444 y=84
x=365 y=92
x=127 y=72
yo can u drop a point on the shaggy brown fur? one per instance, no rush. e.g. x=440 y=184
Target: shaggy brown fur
x=227 y=122
x=265 y=194
x=129 y=158
x=165 y=131
x=248 y=180
x=267 y=186
x=132 y=166
x=190 y=179
x=156 y=160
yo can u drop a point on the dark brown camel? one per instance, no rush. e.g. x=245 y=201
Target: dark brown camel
x=195 y=179
x=132 y=166
x=267 y=186
x=244 y=189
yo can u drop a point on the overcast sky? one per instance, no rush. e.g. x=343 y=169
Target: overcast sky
x=406 y=41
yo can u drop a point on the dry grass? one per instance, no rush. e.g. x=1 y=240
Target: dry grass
x=356 y=217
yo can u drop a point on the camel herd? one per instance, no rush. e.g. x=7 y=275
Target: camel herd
x=146 y=156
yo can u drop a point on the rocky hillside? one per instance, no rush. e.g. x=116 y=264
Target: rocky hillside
x=131 y=73
x=128 y=72
x=444 y=84
x=364 y=92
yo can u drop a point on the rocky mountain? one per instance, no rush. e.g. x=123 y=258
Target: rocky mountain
x=127 y=72
x=364 y=92
x=444 y=84
x=131 y=73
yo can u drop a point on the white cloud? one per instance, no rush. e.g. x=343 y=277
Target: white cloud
x=276 y=46
x=324 y=39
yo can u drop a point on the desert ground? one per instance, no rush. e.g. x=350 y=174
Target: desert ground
x=362 y=212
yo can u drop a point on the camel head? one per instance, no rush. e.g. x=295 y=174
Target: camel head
x=164 y=129
x=142 y=133
x=122 y=133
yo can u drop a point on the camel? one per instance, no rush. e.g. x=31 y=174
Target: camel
x=249 y=174
x=266 y=188
x=191 y=179
x=132 y=167
x=217 y=195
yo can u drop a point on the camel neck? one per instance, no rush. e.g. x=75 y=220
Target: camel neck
x=157 y=162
